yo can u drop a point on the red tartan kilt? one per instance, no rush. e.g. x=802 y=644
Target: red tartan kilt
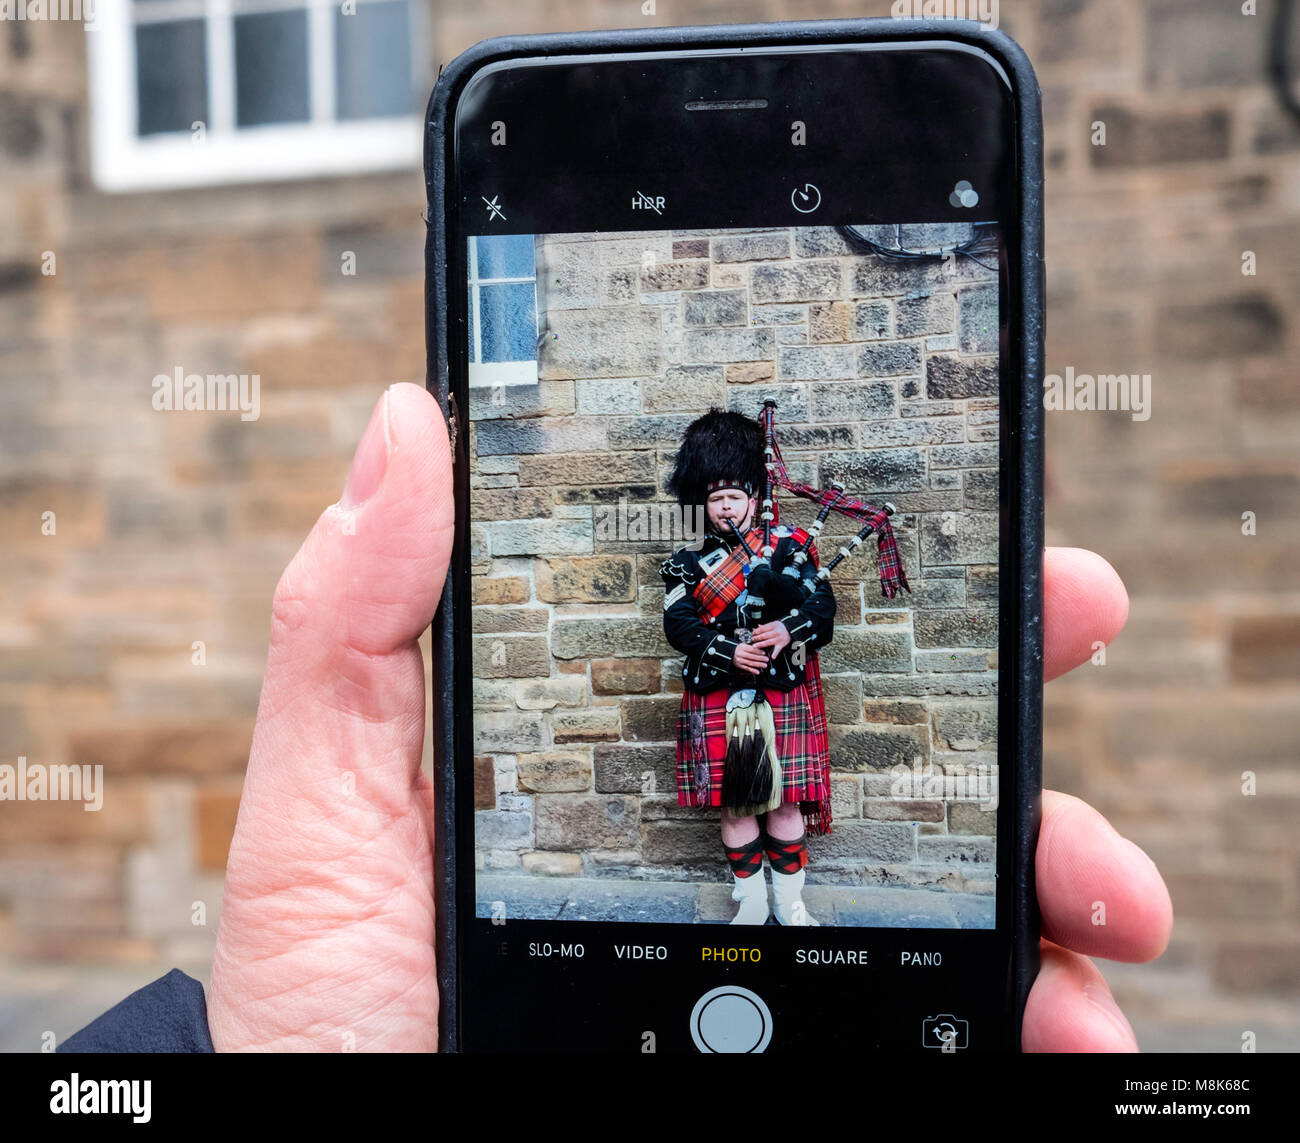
x=801 y=743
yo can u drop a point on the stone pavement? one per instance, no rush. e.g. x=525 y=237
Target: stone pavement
x=669 y=902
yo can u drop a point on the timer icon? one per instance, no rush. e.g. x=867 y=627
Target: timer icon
x=807 y=200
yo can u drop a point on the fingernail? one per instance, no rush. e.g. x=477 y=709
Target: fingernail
x=371 y=459
x=1100 y=996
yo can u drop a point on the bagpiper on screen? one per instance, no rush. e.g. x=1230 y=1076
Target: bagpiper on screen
x=749 y=606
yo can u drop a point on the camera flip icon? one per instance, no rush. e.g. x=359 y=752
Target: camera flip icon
x=944 y=1032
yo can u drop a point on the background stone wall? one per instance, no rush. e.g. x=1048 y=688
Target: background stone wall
x=885 y=378
x=174 y=529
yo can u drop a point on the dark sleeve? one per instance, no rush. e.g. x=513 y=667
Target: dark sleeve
x=169 y=1015
x=706 y=648
x=813 y=621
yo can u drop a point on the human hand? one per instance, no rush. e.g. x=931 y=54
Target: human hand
x=327 y=926
x=749 y=658
x=1080 y=858
x=326 y=935
x=775 y=635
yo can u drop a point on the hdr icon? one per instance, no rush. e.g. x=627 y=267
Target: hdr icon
x=646 y=202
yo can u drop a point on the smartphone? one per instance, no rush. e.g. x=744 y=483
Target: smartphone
x=654 y=256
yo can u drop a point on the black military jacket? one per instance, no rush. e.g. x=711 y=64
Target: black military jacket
x=709 y=647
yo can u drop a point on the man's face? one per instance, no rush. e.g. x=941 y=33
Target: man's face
x=730 y=504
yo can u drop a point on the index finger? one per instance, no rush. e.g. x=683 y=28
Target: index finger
x=1084 y=603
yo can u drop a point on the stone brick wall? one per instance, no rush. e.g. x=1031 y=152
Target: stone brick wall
x=885 y=378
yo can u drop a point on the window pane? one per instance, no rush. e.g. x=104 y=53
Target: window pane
x=171 y=71
x=271 y=68
x=372 y=60
x=506 y=256
x=508 y=322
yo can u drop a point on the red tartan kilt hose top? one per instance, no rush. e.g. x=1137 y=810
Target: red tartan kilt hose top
x=802 y=743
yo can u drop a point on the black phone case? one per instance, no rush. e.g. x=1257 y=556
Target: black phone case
x=1028 y=522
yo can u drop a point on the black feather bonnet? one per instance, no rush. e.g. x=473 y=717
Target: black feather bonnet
x=721 y=449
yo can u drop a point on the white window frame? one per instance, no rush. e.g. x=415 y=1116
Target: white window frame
x=492 y=373
x=123 y=161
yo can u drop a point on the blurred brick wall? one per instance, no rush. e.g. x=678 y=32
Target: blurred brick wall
x=1145 y=244
x=172 y=530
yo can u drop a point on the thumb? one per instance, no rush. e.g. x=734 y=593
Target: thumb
x=344 y=670
x=364 y=581
x=327 y=919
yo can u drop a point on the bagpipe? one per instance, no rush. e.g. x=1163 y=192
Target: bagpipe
x=751 y=776
x=831 y=499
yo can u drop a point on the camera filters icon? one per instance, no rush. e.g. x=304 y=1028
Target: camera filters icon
x=963 y=194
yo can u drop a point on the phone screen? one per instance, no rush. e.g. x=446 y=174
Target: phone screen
x=736 y=784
